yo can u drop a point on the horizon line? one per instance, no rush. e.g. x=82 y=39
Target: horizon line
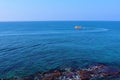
x=58 y=20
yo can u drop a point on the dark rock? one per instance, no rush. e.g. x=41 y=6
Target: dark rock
x=92 y=72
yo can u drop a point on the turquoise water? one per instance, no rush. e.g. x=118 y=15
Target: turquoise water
x=27 y=47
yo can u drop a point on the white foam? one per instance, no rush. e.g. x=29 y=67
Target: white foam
x=85 y=29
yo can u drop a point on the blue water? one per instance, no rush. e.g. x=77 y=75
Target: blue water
x=27 y=47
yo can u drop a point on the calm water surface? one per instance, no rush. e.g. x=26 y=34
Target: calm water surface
x=27 y=47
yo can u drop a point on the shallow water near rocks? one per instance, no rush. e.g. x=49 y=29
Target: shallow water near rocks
x=28 y=47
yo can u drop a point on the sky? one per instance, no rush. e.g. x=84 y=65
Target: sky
x=45 y=10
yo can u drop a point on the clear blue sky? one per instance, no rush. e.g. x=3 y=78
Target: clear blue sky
x=37 y=10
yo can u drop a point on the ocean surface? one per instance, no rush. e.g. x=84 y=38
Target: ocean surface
x=28 y=47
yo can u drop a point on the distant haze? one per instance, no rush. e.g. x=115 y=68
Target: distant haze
x=45 y=10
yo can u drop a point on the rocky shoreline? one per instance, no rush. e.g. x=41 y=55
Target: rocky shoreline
x=92 y=72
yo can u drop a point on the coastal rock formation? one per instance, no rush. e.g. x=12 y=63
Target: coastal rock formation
x=92 y=72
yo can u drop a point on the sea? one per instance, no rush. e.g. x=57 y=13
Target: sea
x=31 y=46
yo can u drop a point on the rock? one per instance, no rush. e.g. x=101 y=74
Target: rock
x=92 y=72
